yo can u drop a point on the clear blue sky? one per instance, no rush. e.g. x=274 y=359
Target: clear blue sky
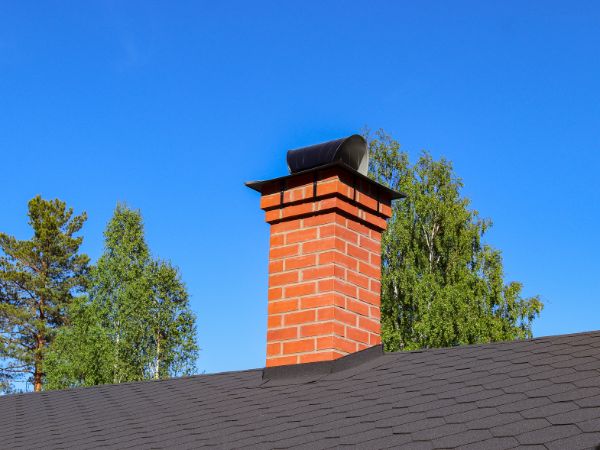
x=171 y=106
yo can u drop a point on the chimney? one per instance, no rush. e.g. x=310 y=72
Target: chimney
x=326 y=222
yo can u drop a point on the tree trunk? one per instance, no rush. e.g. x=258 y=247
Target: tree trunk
x=38 y=369
x=40 y=342
x=157 y=366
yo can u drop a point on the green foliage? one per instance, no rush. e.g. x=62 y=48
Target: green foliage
x=136 y=323
x=441 y=284
x=39 y=278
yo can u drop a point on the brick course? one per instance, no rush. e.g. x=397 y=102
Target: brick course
x=324 y=265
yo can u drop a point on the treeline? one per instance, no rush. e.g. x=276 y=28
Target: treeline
x=67 y=323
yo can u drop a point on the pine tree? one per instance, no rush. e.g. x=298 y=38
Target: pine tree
x=39 y=278
x=441 y=284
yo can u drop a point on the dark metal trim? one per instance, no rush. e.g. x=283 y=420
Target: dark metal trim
x=259 y=185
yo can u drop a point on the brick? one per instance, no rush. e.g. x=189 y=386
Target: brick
x=316 y=301
x=300 y=262
x=319 y=356
x=327 y=313
x=316 y=329
x=297 y=210
x=346 y=206
x=324 y=342
x=282 y=252
x=346 y=234
x=370 y=244
x=325 y=285
x=385 y=209
x=281 y=279
x=370 y=271
x=345 y=288
x=369 y=297
x=299 y=317
x=375 y=260
x=301 y=235
x=282 y=334
x=346 y=261
x=330 y=188
x=357 y=307
x=276 y=266
x=368 y=324
x=338 y=299
x=318 y=272
x=274 y=321
x=288 y=225
x=297 y=194
x=282 y=361
x=359 y=227
x=282 y=306
x=357 y=335
x=276 y=240
x=274 y=348
x=347 y=317
x=339 y=329
x=344 y=345
x=358 y=279
x=375 y=312
x=269 y=201
x=273 y=215
x=300 y=346
x=375 y=286
x=327 y=257
x=374 y=339
x=299 y=290
x=366 y=201
x=358 y=253
x=375 y=220
x=275 y=293
x=320 y=219
x=327 y=231
x=321 y=245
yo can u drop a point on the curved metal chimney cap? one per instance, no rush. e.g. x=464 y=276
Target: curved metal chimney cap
x=352 y=151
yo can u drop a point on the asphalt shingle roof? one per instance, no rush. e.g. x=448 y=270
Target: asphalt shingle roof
x=540 y=393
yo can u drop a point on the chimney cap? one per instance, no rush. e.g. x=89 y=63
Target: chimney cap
x=351 y=150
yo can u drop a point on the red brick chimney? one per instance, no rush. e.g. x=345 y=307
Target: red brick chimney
x=324 y=261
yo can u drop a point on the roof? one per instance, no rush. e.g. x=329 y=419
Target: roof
x=543 y=391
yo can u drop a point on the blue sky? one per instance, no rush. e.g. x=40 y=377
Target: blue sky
x=172 y=106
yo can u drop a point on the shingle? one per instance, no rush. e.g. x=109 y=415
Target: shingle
x=519 y=427
x=463 y=438
x=548 y=434
x=541 y=391
x=492 y=444
x=576 y=442
x=548 y=410
x=430 y=434
x=574 y=416
x=590 y=426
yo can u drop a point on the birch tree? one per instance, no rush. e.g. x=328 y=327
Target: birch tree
x=442 y=284
x=136 y=324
